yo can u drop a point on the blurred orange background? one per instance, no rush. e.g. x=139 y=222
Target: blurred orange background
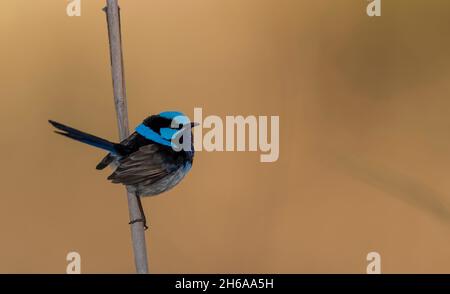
x=364 y=115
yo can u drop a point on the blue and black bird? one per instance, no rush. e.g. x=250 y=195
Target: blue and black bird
x=146 y=162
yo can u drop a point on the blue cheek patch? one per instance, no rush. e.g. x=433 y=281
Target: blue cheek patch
x=167 y=133
x=149 y=134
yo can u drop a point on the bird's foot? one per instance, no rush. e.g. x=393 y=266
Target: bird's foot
x=139 y=220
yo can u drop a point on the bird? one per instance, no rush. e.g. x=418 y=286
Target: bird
x=151 y=160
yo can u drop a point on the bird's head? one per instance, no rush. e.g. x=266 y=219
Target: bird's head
x=165 y=126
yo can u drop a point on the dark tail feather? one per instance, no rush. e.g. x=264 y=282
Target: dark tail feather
x=84 y=137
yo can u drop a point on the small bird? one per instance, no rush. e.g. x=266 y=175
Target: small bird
x=149 y=162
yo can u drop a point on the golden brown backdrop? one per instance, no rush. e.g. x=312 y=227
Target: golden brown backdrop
x=364 y=113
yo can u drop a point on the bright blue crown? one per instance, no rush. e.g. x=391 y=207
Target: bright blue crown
x=166 y=134
x=180 y=117
x=171 y=114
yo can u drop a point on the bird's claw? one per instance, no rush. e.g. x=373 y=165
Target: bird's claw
x=139 y=221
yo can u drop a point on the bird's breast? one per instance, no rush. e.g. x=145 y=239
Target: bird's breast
x=165 y=183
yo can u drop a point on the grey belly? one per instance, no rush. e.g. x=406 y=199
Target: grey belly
x=160 y=186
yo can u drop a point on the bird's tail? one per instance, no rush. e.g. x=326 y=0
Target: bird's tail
x=84 y=137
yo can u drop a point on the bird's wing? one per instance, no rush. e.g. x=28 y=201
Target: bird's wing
x=122 y=149
x=149 y=164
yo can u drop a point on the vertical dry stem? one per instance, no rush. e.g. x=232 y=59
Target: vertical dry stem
x=120 y=100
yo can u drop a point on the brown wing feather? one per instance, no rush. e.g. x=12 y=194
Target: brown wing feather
x=147 y=164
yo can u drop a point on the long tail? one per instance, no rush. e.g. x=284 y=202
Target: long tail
x=84 y=137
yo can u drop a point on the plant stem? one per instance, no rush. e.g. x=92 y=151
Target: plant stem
x=120 y=101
